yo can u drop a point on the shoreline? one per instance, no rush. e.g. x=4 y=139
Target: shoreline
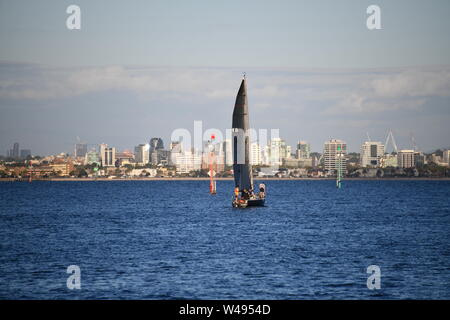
x=226 y=179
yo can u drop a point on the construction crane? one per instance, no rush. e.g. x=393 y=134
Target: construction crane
x=413 y=142
x=391 y=136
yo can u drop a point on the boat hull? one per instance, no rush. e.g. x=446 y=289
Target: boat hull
x=249 y=203
x=255 y=203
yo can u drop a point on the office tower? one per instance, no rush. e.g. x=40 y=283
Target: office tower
x=107 y=155
x=141 y=154
x=406 y=159
x=14 y=153
x=156 y=144
x=371 y=154
x=80 y=150
x=335 y=152
x=156 y=151
x=303 y=150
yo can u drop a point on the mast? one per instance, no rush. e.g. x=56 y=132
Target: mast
x=339 y=167
x=212 y=183
x=241 y=150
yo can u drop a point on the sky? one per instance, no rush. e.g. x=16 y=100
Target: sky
x=141 y=69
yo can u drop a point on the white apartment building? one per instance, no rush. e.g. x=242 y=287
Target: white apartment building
x=406 y=159
x=255 y=154
x=372 y=154
x=277 y=151
x=142 y=154
x=187 y=161
x=107 y=155
x=334 y=152
x=446 y=157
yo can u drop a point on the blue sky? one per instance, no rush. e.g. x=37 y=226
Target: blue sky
x=139 y=69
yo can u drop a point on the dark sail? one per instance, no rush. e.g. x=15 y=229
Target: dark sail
x=241 y=149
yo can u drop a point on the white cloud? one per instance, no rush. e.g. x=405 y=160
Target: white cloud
x=339 y=92
x=413 y=83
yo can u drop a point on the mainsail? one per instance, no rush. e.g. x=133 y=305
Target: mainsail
x=241 y=140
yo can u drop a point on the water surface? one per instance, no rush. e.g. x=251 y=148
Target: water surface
x=171 y=240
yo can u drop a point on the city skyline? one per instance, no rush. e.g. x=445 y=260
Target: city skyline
x=314 y=71
x=87 y=146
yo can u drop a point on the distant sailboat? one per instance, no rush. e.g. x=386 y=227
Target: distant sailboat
x=244 y=195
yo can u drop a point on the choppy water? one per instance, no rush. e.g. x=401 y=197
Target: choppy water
x=167 y=239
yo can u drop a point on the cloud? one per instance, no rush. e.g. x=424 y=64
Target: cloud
x=407 y=89
x=413 y=83
x=330 y=91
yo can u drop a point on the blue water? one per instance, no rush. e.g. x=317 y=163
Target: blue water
x=171 y=240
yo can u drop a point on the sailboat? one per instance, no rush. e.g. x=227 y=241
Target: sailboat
x=244 y=194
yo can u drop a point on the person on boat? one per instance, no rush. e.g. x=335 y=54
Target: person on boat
x=262 y=190
x=236 y=192
x=245 y=194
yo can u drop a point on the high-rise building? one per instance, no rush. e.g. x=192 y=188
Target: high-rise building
x=228 y=152
x=419 y=159
x=303 y=150
x=157 y=152
x=142 y=153
x=175 y=149
x=80 y=150
x=446 y=157
x=188 y=161
x=406 y=159
x=371 y=154
x=278 y=151
x=14 y=152
x=156 y=144
x=107 y=155
x=265 y=155
x=335 y=152
x=255 y=154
